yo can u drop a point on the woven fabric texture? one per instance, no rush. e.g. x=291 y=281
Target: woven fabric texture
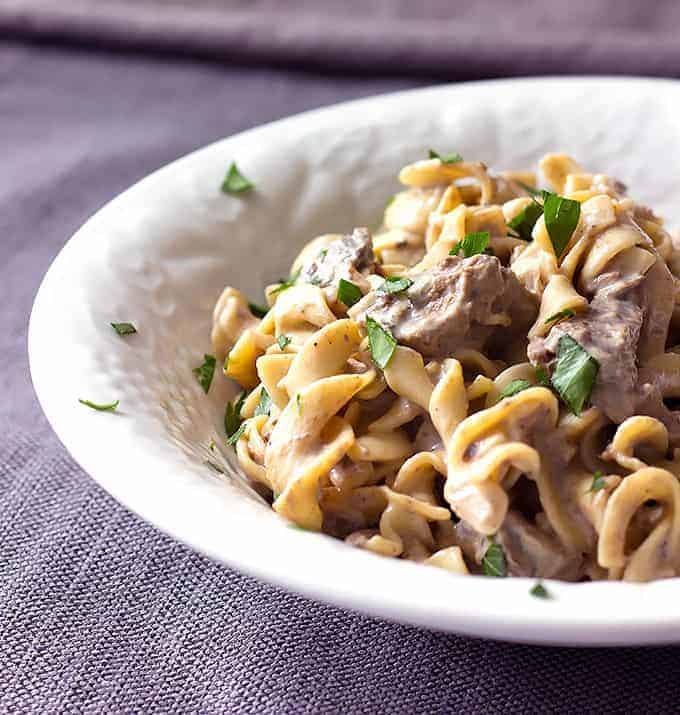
x=100 y=612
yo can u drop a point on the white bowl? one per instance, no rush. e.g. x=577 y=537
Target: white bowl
x=160 y=253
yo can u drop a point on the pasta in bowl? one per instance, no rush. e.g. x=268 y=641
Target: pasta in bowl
x=485 y=383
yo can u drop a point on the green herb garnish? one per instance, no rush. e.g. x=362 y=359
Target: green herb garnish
x=513 y=388
x=204 y=373
x=574 y=374
x=349 y=293
x=395 y=284
x=232 y=415
x=234 y=438
x=542 y=377
x=493 y=563
x=598 y=482
x=283 y=341
x=451 y=158
x=298 y=402
x=124 y=328
x=264 y=406
x=234 y=182
x=259 y=311
x=212 y=445
x=540 y=591
x=525 y=220
x=561 y=218
x=472 y=244
x=285 y=283
x=560 y=315
x=107 y=407
x=529 y=189
x=323 y=253
x=380 y=342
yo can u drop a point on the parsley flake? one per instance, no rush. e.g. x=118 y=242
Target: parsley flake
x=259 y=311
x=232 y=414
x=204 y=373
x=574 y=374
x=493 y=563
x=124 y=328
x=234 y=438
x=451 y=158
x=540 y=591
x=349 y=293
x=395 y=284
x=107 y=407
x=285 y=283
x=542 y=377
x=513 y=388
x=598 y=482
x=234 y=182
x=298 y=401
x=525 y=220
x=561 y=219
x=264 y=406
x=380 y=342
x=323 y=253
x=472 y=244
x=560 y=315
x=283 y=341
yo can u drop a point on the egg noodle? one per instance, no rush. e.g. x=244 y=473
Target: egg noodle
x=485 y=385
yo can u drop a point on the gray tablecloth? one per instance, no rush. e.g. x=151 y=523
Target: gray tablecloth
x=99 y=612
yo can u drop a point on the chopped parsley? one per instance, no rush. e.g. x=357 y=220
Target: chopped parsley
x=204 y=373
x=124 y=328
x=380 y=342
x=598 y=482
x=323 y=253
x=540 y=591
x=472 y=244
x=283 y=341
x=298 y=401
x=395 y=284
x=232 y=415
x=264 y=406
x=523 y=223
x=560 y=315
x=285 y=283
x=561 y=218
x=107 y=407
x=212 y=445
x=234 y=438
x=513 y=388
x=234 y=182
x=574 y=374
x=542 y=377
x=493 y=563
x=349 y=293
x=529 y=189
x=259 y=311
x=451 y=158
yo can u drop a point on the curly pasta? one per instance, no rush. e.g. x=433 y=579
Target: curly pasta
x=489 y=384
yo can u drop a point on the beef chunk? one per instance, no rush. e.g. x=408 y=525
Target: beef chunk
x=457 y=303
x=609 y=331
x=349 y=257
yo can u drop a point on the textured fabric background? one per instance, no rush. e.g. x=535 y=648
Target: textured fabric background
x=447 y=38
x=99 y=612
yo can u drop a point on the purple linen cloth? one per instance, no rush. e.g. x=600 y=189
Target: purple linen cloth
x=436 y=37
x=100 y=612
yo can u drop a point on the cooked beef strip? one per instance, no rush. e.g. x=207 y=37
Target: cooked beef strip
x=349 y=257
x=459 y=303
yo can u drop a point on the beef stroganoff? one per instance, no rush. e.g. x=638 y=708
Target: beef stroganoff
x=484 y=384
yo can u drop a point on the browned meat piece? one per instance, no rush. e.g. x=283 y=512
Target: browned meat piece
x=626 y=323
x=609 y=331
x=349 y=257
x=531 y=552
x=457 y=303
